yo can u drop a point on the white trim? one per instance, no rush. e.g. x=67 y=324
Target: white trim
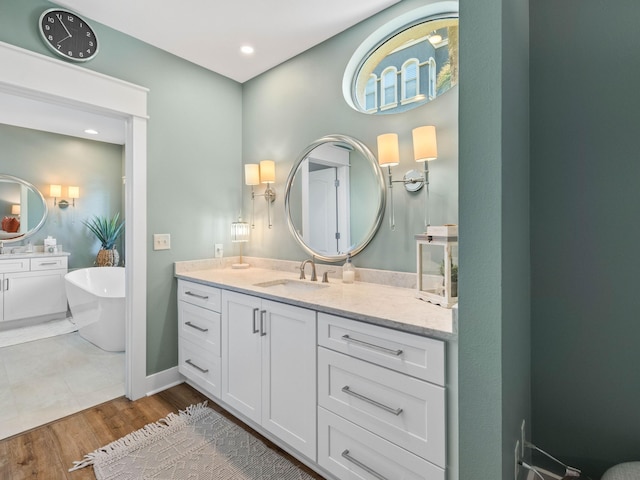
x=164 y=380
x=42 y=78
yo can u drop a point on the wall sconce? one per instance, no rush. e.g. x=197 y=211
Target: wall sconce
x=424 y=150
x=15 y=210
x=255 y=174
x=55 y=191
x=240 y=234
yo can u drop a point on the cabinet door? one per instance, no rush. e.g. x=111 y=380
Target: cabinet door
x=241 y=369
x=32 y=294
x=289 y=375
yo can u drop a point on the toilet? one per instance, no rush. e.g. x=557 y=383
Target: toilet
x=623 y=471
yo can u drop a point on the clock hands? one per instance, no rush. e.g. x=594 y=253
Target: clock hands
x=65 y=28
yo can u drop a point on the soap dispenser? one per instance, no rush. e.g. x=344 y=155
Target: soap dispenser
x=348 y=271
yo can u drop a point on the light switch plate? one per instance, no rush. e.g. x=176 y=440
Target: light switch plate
x=161 y=241
x=219 y=250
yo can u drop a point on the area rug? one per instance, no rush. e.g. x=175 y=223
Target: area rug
x=196 y=444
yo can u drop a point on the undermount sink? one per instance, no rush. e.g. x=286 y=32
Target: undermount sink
x=289 y=285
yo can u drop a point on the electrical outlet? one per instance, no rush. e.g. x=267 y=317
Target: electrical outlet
x=219 y=250
x=522 y=439
x=161 y=241
x=516 y=458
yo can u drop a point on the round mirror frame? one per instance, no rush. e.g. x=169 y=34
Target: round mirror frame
x=45 y=214
x=361 y=148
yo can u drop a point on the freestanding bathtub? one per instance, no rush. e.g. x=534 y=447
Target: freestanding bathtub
x=97 y=302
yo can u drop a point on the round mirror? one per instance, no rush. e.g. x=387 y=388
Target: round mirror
x=335 y=198
x=23 y=208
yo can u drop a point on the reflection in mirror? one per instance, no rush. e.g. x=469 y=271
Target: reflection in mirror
x=334 y=198
x=23 y=209
x=408 y=68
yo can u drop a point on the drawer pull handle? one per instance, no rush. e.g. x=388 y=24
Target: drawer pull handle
x=397 y=353
x=6 y=284
x=255 y=330
x=202 y=297
x=263 y=332
x=48 y=263
x=348 y=391
x=369 y=470
x=197 y=327
x=203 y=370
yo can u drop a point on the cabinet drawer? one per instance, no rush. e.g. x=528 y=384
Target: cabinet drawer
x=201 y=295
x=48 y=263
x=14 y=265
x=348 y=451
x=200 y=366
x=199 y=325
x=402 y=409
x=414 y=355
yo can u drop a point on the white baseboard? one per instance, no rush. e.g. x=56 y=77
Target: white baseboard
x=162 y=380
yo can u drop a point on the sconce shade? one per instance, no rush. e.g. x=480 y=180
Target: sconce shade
x=267 y=171
x=74 y=192
x=240 y=231
x=252 y=174
x=55 y=191
x=388 y=152
x=425 y=147
x=15 y=209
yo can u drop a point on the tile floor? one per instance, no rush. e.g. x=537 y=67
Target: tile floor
x=46 y=379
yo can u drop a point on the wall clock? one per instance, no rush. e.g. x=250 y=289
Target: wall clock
x=68 y=35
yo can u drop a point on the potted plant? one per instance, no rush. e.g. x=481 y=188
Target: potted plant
x=107 y=230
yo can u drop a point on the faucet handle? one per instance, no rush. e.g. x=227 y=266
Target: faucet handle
x=325 y=276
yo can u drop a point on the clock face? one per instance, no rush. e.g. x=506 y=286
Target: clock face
x=68 y=35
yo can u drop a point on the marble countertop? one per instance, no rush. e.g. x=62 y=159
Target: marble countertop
x=32 y=254
x=388 y=306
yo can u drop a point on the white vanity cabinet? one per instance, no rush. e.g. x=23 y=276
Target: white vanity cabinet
x=199 y=335
x=33 y=287
x=381 y=402
x=269 y=367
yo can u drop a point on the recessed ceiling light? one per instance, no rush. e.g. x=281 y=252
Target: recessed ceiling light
x=91 y=131
x=247 y=49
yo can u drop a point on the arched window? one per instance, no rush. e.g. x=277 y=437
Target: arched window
x=371 y=93
x=410 y=79
x=389 y=87
x=432 y=78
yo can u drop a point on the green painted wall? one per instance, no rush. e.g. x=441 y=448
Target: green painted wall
x=494 y=327
x=194 y=155
x=43 y=159
x=585 y=202
x=301 y=100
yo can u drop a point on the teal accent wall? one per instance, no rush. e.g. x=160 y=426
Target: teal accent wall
x=194 y=147
x=296 y=103
x=494 y=328
x=43 y=159
x=585 y=204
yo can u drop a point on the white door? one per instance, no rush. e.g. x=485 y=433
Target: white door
x=289 y=375
x=31 y=294
x=323 y=224
x=241 y=368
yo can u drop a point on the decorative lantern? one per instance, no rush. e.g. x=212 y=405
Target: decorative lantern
x=437 y=265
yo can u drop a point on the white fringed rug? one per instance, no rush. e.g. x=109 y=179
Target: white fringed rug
x=196 y=444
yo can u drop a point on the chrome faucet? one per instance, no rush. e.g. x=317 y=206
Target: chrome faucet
x=313 y=269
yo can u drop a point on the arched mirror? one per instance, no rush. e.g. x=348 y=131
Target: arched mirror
x=335 y=197
x=23 y=209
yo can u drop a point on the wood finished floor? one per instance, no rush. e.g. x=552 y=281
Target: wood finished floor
x=47 y=452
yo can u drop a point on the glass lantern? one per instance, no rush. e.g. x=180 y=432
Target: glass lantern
x=437 y=265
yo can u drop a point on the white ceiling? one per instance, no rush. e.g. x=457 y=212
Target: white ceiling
x=210 y=33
